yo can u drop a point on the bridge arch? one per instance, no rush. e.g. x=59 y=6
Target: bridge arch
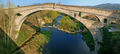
x=87 y=24
x=69 y=10
x=105 y=20
x=23 y=17
x=75 y=14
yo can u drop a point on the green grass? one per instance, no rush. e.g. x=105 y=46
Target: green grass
x=45 y=34
x=42 y=39
x=39 y=38
x=41 y=49
x=37 y=47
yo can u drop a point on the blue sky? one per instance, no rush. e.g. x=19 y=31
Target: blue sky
x=65 y=2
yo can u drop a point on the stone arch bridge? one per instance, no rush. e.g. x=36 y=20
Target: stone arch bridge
x=67 y=9
x=23 y=12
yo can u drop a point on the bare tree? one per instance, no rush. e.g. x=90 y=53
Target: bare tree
x=10 y=14
x=2 y=12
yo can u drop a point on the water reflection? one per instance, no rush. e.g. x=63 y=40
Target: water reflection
x=64 y=43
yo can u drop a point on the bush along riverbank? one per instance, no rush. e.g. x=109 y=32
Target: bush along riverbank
x=71 y=25
x=110 y=43
x=6 y=43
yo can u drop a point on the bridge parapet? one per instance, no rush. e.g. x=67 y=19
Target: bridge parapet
x=90 y=10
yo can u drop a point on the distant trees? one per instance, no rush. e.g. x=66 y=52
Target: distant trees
x=18 y=6
x=115 y=42
x=110 y=42
x=10 y=14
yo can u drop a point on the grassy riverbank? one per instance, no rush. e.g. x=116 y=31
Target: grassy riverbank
x=67 y=24
x=36 y=45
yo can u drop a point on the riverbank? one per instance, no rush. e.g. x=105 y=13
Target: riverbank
x=34 y=44
x=68 y=31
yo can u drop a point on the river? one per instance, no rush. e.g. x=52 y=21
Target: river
x=64 y=43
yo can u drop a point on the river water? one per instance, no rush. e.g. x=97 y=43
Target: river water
x=64 y=43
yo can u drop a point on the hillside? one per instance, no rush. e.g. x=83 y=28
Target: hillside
x=108 y=6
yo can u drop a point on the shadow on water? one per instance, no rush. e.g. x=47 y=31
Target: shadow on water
x=63 y=43
x=7 y=45
x=32 y=26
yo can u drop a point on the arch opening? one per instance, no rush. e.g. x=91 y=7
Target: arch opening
x=91 y=17
x=18 y=14
x=105 y=20
x=74 y=15
x=65 y=14
x=80 y=14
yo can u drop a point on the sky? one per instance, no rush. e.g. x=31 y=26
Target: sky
x=65 y=2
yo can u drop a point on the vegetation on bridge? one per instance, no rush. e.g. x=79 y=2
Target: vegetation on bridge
x=91 y=17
